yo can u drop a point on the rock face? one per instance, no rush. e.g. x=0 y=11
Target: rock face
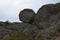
x=27 y=15
x=47 y=18
x=45 y=25
x=26 y=27
x=45 y=13
x=46 y=21
x=29 y=30
x=4 y=32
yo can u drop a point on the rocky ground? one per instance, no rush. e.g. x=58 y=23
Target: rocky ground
x=43 y=25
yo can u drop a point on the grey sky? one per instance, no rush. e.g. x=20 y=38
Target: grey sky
x=9 y=9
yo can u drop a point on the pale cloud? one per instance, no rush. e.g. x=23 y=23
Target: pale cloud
x=11 y=8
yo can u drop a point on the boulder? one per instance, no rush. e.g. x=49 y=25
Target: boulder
x=43 y=14
x=27 y=15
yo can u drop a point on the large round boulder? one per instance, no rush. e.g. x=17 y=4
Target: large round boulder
x=27 y=15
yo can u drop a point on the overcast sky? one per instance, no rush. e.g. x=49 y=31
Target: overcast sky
x=9 y=9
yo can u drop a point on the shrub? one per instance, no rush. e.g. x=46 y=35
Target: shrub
x=7 y=23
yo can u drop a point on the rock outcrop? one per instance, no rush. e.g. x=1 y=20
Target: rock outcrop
x=46 y=21
x=45 y=25
x=46 y=14
x=43 y=14
x=4 y=33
